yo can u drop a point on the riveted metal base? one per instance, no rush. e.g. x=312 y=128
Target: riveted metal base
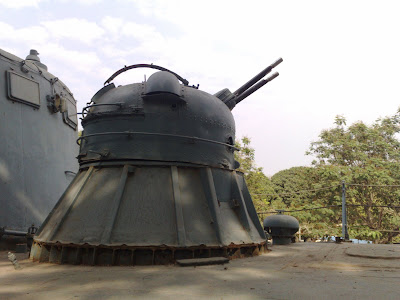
x=129 y=256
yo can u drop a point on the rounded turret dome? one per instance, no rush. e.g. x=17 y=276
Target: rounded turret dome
x=158 y=120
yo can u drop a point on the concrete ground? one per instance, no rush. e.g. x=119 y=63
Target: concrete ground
x=296 y=271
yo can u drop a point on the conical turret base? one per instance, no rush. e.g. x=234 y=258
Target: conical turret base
x=146 y=214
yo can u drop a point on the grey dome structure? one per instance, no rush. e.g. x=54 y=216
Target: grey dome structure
x=281 y=227
x=38 y=127
x=157 y=181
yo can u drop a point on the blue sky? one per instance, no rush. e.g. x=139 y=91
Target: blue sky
x=340 y=58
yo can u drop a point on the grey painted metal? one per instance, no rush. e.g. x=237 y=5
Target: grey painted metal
x=180 y=225
x=116 y=202
x=163 y=82
x=174 y=136
x=184 y=129
x=182 y=198
x=63 y=213
x=254 y=88
x=231 y=99
x=213 y=204
x=38 y=126
x=13 y=232
x=281 y=227
x=157 y=208
x=258 y=77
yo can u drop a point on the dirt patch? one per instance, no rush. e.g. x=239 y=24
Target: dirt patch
x=296 y=271
x=374 y=251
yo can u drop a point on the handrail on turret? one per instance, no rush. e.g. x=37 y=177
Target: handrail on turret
x=126 y=68
x=100 y=104
x=130 y=133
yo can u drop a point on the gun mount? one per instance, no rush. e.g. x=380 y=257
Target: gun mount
x=157 y=180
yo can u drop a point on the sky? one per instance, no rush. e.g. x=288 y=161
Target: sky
x=339 y=57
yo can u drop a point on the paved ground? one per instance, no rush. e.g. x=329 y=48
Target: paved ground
x=297 y=271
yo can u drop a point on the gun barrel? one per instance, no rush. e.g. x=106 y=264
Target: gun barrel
x=256 y=78
x=254 y=88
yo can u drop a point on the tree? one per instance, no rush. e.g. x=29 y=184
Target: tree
x=298 y=189
x=367 y=158
x=291 y=184
x=259 y=185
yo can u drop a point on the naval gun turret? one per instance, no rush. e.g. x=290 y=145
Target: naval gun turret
x=157 y=179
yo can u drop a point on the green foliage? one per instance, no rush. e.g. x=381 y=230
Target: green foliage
x=366 y=157
x=362 y=155
x=259 y=185
x=297 y=188
x=291 y=184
